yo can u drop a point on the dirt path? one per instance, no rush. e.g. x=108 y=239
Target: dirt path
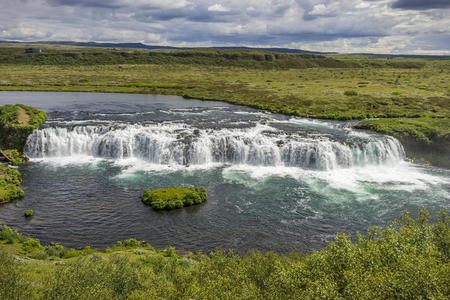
x=23 y=117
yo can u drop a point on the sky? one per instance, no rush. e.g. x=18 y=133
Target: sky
x=345 y=26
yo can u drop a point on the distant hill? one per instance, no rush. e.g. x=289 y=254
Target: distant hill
x=261 y=59
x=153 y=47
x=131 y=46
x=374 y=55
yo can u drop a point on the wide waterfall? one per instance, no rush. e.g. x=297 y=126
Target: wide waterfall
x=183 y=144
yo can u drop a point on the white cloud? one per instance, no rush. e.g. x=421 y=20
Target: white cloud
x=320 y=9
x=217 y=7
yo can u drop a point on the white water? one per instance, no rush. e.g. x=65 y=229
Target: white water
x=175 y=144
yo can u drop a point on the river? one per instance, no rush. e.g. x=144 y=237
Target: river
x=274 y=182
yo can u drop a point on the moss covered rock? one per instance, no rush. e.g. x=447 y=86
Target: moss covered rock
x=172 y=198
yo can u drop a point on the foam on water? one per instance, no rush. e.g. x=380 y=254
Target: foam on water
x=359 y=181
x=171 y=144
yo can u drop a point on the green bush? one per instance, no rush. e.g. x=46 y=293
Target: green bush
x=173 y=198
x=351 y=93
x=28 y=213
x=9 y=184
x=17 y=158
x=9 y=235
x=409 y=259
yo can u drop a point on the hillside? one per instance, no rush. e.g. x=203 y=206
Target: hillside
x=235 y=58
x=72 y=44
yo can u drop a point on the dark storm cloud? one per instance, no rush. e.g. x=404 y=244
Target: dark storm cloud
x=86 y=3
x=190 y=13
x=421 y=4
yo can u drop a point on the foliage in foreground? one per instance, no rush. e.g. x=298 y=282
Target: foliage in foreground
x=407 y=260
x=172 y=198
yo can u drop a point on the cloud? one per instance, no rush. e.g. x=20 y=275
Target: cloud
x=421 y=4
x=217 y=7
x=86 y=3
x=388 y=26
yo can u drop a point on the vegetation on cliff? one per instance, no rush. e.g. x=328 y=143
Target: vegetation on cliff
x=17 y=122
x=172 y=198
x=14 y=157
x=9 y=184
x=407 y=260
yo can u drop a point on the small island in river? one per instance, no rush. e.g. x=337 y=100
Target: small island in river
x=173 y=198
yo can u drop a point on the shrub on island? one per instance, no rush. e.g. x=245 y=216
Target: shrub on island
x=173 y=198
x=28 y=213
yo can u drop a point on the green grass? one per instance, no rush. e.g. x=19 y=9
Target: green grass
x=8 y=115
x=424 y=129
x=13 y=134
x=407 y=260
x=172 y=198
x=9 y=184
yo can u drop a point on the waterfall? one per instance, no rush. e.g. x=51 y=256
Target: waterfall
x=182 y=144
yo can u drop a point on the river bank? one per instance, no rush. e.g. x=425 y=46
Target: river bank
x=363 y=268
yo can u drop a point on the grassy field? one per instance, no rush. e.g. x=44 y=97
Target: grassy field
x=408 y=260
x=411 y=95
